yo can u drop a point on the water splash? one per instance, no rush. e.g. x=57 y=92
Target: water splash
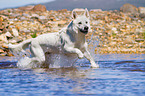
x=24 y=59
x=93 y=42
x=54 y=60
x=60 y=60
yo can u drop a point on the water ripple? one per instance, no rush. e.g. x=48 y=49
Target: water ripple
x=115 y=77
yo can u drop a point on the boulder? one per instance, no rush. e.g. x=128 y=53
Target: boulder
x=39 y=7
x=129 y=8
x=26 y=8
x=142 y=15
x=141 y=10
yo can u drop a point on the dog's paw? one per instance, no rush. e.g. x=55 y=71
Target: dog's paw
x=81 y=56
x=94 y=66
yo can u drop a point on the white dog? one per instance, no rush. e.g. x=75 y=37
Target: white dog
x=71 y=40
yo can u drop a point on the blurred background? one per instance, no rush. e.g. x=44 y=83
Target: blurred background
x=117 y=26
x=71 y=4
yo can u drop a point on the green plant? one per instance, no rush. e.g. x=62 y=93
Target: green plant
x=113 y=34
x=144 y=35
x=34 y=35
x=9 y=11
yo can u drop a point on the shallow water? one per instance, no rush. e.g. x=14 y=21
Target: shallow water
x=118 y=75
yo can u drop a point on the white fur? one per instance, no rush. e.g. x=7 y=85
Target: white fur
x=71 y=40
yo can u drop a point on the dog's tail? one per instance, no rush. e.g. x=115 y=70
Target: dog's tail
x=19 y=47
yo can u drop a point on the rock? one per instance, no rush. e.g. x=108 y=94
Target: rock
x=129 y=45
x=23 y=18
x=62 y=10
x=139 y=40
x=3 y=38
x=42 y=17
x=4 y=30
x=5 y=45
x=112 y=43
x=1 y=20
x=8 y=34
x=61 y=23
x=96 y=10
x=142 y=15
x=26 y=8
x=128 y=40
x=114 y=30
x=3 y=54
x=141 y=10
x=4 y=17
x=1 y=51
x=142 y=46
x=39 y=7
x=11 y=22
x=35 y=15
x=129 y=8
x=15 y=32
x=25 y=14
x=25 y=30
x=15 y=40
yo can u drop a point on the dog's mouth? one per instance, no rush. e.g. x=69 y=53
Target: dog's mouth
x=84 y=31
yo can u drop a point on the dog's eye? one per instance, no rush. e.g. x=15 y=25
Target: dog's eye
x=86 y=22
x=80 y=23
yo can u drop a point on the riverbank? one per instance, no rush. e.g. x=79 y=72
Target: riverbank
x=116 y=32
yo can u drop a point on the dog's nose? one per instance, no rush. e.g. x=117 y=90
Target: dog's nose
x=86 y=28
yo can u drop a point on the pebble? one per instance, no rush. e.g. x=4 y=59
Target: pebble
x=8 y=34
x=15 y=32
x=116 y=31
x=139 y=40
x=3 y=38
x=1 y=51
x=3 y=54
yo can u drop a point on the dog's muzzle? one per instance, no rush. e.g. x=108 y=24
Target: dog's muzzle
x=85 y=30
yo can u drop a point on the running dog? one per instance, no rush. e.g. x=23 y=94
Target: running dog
x=71 y=40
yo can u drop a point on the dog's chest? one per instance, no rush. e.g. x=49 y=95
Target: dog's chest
x=79 y=45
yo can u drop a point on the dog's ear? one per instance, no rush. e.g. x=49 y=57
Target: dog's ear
x=86 y=13
x=74 y=14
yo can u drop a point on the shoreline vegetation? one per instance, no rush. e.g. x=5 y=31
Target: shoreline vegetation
x=115 y=31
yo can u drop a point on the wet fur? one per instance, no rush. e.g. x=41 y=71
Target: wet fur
x=71 y=40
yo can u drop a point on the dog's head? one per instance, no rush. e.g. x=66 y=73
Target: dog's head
x=81 y=22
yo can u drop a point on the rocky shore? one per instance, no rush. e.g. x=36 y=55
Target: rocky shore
x=116 y=31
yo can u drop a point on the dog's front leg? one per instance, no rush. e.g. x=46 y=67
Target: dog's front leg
x=77 y=51
x=89 y=57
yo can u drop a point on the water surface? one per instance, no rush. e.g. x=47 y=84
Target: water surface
x=118 y=75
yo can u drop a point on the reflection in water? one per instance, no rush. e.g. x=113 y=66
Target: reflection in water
x=71 y=77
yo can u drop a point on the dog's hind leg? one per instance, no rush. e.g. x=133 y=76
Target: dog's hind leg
x=37 y=53
x=16 y=49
